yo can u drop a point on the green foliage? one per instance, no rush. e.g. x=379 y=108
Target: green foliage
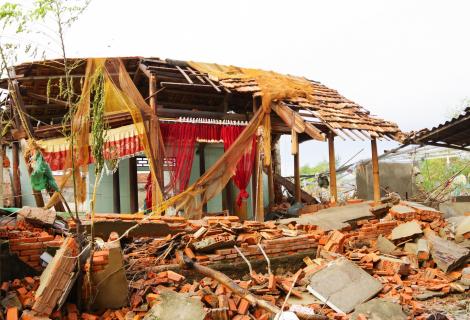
x=316 y=169
x=435 y=172
x=12 y=14
x=98 y=127
x=320 y=167
x=67 y=11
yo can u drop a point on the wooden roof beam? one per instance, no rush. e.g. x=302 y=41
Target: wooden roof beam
x=40 y=97
x=296 y=122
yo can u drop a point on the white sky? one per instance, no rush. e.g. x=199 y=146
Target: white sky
x=405 y=61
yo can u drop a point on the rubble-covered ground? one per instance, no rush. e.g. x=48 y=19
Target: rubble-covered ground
x=403 y=258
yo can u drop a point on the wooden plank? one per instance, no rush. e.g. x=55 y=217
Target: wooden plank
x=294 y=121
x=58 y=102
x=156 y=183
x=305 y=197
x=212 y=84
x=260 y=188
x=191 y=70
x=276 y=165
x=21 y=109
x=332 y=166
x=353 y=131
x=184 y=75
x=143 y=68
x=345 y=132
x=375 y=171
x=16 y=175
x=297 y=193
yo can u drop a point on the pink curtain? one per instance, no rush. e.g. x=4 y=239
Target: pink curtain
x=245 y=165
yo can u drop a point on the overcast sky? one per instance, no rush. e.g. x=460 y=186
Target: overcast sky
x=405 y=61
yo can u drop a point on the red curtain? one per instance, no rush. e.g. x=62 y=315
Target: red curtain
x=179 y=145
x=245 y=165
x=180 y=139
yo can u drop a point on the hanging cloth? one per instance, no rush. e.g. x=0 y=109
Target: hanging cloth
x=180 y=146
x=41 y=176
x=179 y=139
x=244 y=166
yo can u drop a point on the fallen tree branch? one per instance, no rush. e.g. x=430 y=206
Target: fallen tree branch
x=232 y=286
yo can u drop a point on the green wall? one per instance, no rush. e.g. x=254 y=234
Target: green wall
x=105 y=194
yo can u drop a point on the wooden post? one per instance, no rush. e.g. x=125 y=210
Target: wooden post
x=134 y=197
x=116 y=192
x=296 y=149
x=202 y=166
x=16 y=175
x=254 y=176
x=332 y=163
x=254 y=182
x=375 y=170
x=276 y=166
x=19 y=103
x=260 y=188
x=2 y=153
x=153 y=135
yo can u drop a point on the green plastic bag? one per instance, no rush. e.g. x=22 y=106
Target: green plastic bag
x=41 y=177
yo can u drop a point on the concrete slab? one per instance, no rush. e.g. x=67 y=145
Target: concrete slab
x=401 y=209
x=176 y=306
x=113 y=286
x=342 y=285
x=420 y=207
x=462 y=230
x=411 y=247
x=380 y=309
x=454 y=209
x=446 y=254
x=335 y=218
x=384 y=245
x=406 y=230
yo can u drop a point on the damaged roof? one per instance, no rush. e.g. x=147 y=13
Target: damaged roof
x=186 y=92
x=454 y=133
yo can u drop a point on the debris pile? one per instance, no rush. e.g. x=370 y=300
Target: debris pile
x=397 y=253
x=214 y=240
x=28 y=242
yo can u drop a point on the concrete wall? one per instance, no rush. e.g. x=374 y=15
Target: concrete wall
x=105 y=194
x=397 y=177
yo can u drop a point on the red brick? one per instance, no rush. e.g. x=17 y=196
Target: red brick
x=12 y=313
x=100 y=260
x=243 y=306
x=232 y=305
x=189 y=253
x=23 y=240
x=22 y=291
x=5 y=286
x=173 y=276
x=45 y=238
x=30 y=252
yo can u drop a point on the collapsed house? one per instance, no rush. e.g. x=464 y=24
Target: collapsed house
x=209 y=135
x=211 y=111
